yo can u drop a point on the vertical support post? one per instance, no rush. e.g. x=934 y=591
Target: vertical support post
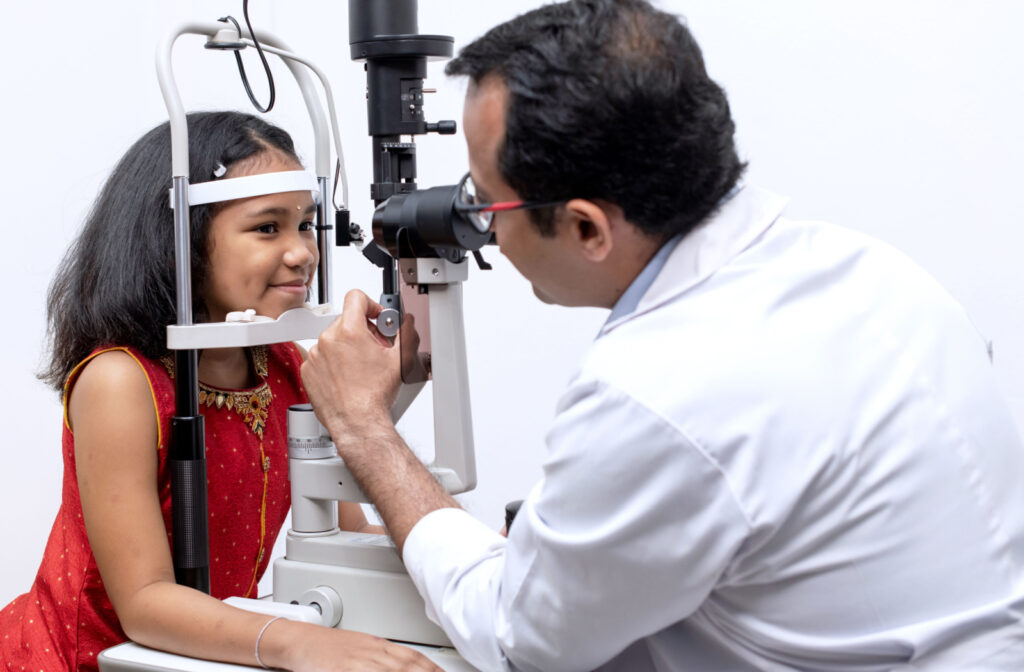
x=323 y=227
x=187 y=452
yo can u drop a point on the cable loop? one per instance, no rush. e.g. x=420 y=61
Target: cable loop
x=263 y=58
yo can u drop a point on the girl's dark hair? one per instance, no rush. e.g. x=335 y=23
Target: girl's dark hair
x=609 y=99
x=116 y=283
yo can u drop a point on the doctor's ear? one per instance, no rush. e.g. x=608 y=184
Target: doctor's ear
x=590 y=227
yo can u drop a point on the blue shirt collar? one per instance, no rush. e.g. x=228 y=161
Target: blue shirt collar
x=630 y=299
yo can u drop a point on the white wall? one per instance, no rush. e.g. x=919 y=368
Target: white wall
x=899 y=119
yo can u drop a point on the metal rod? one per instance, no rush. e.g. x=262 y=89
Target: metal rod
x=182 y=251
x=323 y=243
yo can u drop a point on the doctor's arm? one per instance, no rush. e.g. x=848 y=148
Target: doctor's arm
x=112 y=415
x=352 y=376
x=626 y=534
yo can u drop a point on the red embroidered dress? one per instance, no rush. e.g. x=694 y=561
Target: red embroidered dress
x=66 y=619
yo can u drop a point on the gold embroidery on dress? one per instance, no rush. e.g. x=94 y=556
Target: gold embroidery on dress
x=168 y=362
x=251 y=405
x=259 y=360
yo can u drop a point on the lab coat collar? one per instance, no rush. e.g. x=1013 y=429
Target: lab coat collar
x=727 y=232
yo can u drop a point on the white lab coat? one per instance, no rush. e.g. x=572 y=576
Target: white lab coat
x=790 y=455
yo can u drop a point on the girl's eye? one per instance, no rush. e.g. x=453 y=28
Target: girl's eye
x=269 y=227
x=306 y=226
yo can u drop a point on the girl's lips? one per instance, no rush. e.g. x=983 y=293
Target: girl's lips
x=290 y=288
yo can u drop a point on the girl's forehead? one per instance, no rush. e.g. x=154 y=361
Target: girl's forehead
x=280 y=204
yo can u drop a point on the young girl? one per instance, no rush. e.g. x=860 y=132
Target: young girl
x=107 y=574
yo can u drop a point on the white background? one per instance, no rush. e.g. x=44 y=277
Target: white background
x=901 y=119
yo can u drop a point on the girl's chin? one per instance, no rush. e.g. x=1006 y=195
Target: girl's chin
x=276 y=311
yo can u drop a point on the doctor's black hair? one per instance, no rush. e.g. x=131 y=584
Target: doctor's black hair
x=116 y=284
x=609 y=99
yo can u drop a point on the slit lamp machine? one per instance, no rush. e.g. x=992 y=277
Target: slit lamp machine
x=422 y=246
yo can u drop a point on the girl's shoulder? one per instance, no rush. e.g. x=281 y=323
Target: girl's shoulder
x=118 y=365
x=120 y=375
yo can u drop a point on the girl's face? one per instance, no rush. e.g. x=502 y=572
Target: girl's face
x=262 y=250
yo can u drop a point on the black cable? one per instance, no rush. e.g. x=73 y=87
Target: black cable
x=263 y=58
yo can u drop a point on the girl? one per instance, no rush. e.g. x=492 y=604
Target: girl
x=107 y=574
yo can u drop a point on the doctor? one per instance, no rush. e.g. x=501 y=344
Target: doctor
x=785 y=449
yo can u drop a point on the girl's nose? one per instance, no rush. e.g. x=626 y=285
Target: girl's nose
x=301 y=252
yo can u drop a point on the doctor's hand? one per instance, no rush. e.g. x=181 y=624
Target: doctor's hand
x=353 y=373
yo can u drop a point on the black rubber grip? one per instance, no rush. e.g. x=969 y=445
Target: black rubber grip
x=191 y=533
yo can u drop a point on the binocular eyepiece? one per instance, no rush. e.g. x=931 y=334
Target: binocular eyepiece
x=425 y=223
x=408 y=222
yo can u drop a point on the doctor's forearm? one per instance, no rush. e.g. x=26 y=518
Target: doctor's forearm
x=394 y=479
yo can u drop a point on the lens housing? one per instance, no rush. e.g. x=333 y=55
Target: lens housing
x=424 y=224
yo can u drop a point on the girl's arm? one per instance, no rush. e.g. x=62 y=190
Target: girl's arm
x=352 y=519
x=115 y=426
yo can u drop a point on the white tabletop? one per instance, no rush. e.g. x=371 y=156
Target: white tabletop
x=131 y=657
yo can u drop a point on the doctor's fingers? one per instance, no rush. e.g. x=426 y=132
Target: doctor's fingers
x=356 y=321
x=358 y=305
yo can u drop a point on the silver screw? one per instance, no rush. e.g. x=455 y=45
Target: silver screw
x=388 y=321
x=436 y=272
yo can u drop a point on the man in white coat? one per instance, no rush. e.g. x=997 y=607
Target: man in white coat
x=784 y=451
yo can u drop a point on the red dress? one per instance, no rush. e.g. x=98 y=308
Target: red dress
x=66 y=619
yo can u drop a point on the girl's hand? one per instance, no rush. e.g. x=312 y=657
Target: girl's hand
x=308 y=648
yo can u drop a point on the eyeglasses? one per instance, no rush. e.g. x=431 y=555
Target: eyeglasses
x=480 y=214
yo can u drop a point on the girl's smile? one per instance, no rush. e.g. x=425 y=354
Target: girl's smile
x=299 y=287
